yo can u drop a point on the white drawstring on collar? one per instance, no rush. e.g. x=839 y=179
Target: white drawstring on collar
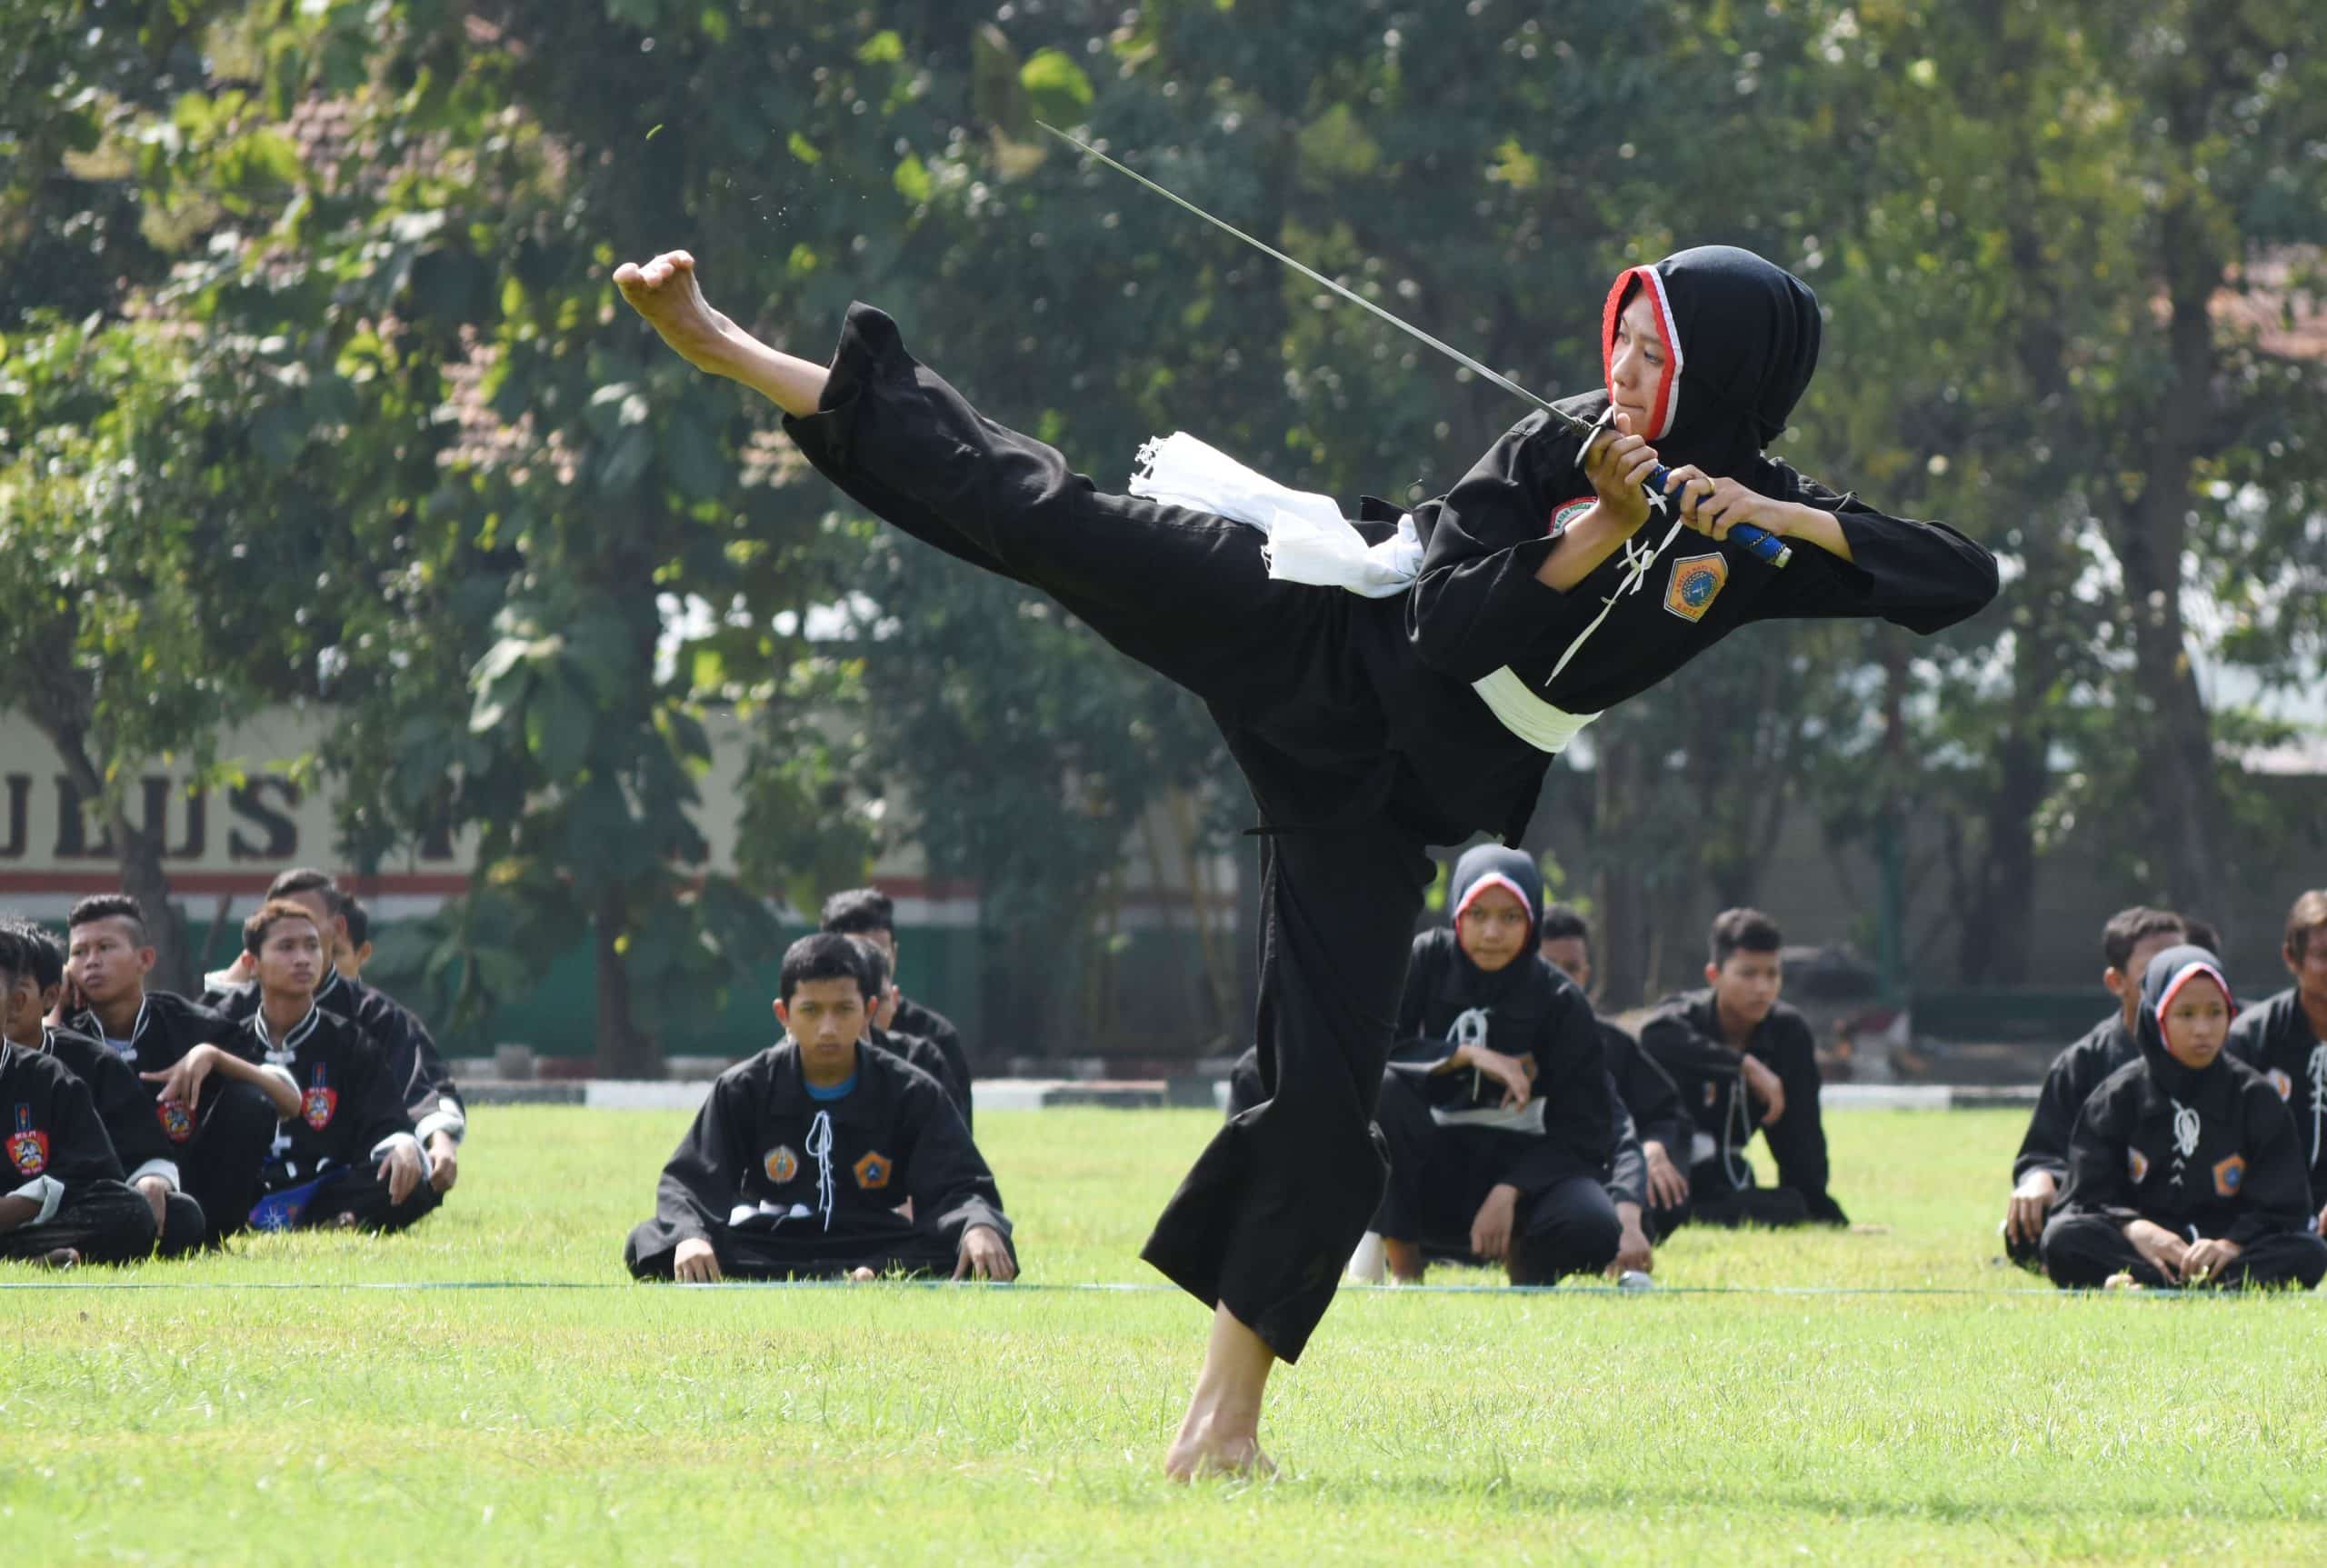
x=820 y=1149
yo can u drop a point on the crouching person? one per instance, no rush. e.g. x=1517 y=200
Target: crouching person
x=1496 y=1109
x=822 y=1157
x=2184 y=1168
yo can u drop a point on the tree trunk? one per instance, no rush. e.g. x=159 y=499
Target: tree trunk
x=625 y=1050
x=136 y=849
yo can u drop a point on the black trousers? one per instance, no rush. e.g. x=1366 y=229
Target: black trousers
x=1269 y=1214
x=2083 y=1251
x=356 y=1193
x=795 y=1251
x=1440 y=1175
x=105 y=1222
x=220 y=1167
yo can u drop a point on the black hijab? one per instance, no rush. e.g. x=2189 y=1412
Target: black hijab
x=1740 y=337
x=2166 y=974
x=1492 y=865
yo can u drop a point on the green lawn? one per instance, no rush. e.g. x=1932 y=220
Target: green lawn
x=888 y=1425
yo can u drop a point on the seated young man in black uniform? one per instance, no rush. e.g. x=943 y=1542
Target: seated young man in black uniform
x=125 y=1106
x=415 y=1066
x=2184 y=1168
x=1497 y=1111
x=881 y=1032
x=1657 y=1202
x=220 y=1143
x=62 y=1201
x=347 y=1156
x=1738 y=1055
x=2131 y=938
x=803 y=1158
x=2284 y=1037
x=869 y=912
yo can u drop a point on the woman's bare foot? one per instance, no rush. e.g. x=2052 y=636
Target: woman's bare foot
x=1220 y=1435
x=666 y=292
x=62 y=1258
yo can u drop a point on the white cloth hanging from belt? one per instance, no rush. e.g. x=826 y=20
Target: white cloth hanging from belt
x=1309 y=541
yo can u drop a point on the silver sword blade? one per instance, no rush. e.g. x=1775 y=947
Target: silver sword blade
x=1449 y=350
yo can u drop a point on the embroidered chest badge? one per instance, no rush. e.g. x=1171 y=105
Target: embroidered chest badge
x=177 y=1122
x=1567 y=512
x=2136 y=1164
x=873 y=1171
x=2229 y=1177
x=1696 y=579
x=27 y=1145
x=318 y=1102
x=780 y=1164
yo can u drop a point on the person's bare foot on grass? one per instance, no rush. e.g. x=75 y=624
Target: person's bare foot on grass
x=1220 y=1435
x=665 y=291
x=62 y=1258
x=861 y=1276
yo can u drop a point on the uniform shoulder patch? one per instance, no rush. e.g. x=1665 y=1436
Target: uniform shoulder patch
x=873 y=1171
x=27 y=1145
x=2230 y=1176
x=1567 y=512
x=1695 y=580
x=2279 y=1079
x=780 y=1164
x=2136 y=1164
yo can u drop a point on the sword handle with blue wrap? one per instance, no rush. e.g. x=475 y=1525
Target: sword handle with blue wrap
x=1765 y=545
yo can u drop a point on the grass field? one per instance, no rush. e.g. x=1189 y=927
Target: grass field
x=217 y=1421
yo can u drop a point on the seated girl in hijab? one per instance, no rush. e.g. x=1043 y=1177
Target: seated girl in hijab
x=1497 y=1106
x=2184 y=1168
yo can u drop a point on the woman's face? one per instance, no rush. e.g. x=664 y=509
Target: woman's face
x=2196 y=1022
x=1639 y=361
x=1492 y=929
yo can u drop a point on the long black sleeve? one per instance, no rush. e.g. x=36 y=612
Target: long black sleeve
x=1627 y=1167
x=704 y=1176
x=2097 y=1179
x=2069 y=1083
x=952 y=1188
x=1924 y=577
x=1477 y=602
x=1797 y=1139
x=1570 y=1079
x=2275 y=1195
x=1649 y=1093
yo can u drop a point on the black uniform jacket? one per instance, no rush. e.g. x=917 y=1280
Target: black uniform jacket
x=1685 y=1038
x=167 y=1027
x=49 y=1130
x=2207 y=1153
x=349 y=1109
x=2274 y=1037
x=2069 y=1083
x=762 y=1152
x=1568 y=1127
x=412 y=1064
x=135 y=1118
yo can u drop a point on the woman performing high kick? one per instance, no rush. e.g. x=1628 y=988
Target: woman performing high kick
x=1371 y=727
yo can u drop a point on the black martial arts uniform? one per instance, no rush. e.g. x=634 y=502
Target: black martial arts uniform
x=350 y=1116
x=2207 y=1152
x=1685 y=1038
x=1361 y=724
x=222 y=1145
x=2274 y=1037
x=414 y=1065
x=1449 y=1139
x=54 y=1150
x=2069 y=1083
x=784 y=1184
x=127 y=1108
x=913 y=1018
x=1652 y=1106
x=921 y=1051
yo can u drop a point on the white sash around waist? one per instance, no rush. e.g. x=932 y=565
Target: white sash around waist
x=1309 y=541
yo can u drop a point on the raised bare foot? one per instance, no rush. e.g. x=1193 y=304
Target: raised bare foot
x=666 y=292
x=1205 y=1451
